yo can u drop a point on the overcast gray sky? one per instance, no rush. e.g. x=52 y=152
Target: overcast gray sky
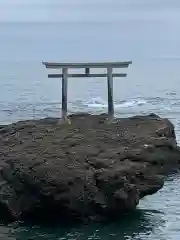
x=84 y=10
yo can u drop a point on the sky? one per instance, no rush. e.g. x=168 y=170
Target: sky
x=84 y=10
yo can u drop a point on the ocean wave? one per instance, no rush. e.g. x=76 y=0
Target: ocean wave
x=100 y=103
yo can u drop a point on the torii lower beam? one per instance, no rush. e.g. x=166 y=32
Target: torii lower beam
x=109 y=74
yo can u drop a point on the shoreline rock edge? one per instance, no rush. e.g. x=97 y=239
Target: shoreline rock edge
x=90 y=169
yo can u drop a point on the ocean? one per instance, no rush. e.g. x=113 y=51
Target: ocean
x=145 y=32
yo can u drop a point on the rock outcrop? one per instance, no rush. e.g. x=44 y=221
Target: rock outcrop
x=91 y=169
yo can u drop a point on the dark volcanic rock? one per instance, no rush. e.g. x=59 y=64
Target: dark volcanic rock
x=90 y=169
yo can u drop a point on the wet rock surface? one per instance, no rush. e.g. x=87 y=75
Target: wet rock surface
x=91 y=169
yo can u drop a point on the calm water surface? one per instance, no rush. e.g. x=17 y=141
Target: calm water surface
x=146 y=32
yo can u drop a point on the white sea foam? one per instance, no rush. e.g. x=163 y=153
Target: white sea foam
x=100 y=103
